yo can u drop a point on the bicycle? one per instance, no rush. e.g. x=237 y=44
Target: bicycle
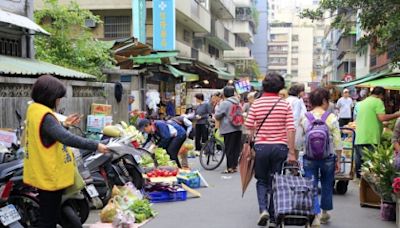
x=213 y=151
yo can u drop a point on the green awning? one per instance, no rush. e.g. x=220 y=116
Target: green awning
x=187 y=77
x=16 y=66
x=155 y=58
x=368 y=77
x=222 y=74
x=391 y=83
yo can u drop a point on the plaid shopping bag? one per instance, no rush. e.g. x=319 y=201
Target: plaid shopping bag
x=293 y=195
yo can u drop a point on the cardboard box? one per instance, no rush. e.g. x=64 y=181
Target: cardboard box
x=7 y=138
x=96 y=123
x=368 y=198
x=101 y=109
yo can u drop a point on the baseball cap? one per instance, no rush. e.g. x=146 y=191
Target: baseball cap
x=142 y=123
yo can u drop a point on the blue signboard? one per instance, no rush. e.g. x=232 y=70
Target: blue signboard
x=164 y=25
x=139 y=20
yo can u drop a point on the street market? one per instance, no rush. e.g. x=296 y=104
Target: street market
x=200 y=113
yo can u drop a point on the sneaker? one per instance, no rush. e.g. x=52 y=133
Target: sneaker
x=316 y=222
x=263 y=220
x=272 y=225
x=325 y=218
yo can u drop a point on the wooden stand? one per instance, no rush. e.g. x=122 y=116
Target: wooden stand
x=368 y=198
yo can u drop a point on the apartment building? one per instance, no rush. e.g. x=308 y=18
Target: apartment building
x=290 y=51
x=295 y=45
x=215 y=32
x=244 y=28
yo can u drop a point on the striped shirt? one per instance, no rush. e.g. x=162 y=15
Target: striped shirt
x=277 y=125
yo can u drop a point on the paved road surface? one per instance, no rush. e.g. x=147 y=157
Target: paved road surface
x=222 y=206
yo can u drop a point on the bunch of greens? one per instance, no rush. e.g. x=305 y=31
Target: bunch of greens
x=380 y=170
x=142 y=210
x=163 y=159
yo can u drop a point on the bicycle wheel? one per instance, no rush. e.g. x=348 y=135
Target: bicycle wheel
x=211 y=155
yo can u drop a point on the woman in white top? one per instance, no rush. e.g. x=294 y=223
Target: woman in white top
x=298 y=107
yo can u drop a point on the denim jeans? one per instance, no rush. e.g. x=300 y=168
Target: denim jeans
x=324 y=171
x=269 y=160
x=359 y=155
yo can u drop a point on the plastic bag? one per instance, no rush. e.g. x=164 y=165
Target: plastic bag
x=115 y=191
x=124 y=219
x=109 y=212
x=124 y=201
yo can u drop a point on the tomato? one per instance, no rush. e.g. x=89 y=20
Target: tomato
x=174 y=173
x=150 y=175
x=159 y=173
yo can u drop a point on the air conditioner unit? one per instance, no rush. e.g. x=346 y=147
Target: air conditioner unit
x=90 y=23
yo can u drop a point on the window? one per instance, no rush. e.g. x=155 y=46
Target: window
x=295 y=49
x=295 y=38
x=11 y=47
x=226 y=34
x=295 y=73
x=273 y=6
x=278 y=48
x=278 y=60
x=117 y=26
x=186 y=36
x=239 y=42
x=373 y=60
x=213 y=51
x=195 y=54
x=295 y=61
x=272 y=36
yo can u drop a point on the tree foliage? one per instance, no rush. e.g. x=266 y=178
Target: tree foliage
x=379 y=19
x=70 y=44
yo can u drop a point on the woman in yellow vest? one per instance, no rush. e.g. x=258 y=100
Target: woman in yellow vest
x=48 y=162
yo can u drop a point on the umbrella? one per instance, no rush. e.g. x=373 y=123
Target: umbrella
x=246 y=166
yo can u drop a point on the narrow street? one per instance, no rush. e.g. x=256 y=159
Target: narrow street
x=221 y=205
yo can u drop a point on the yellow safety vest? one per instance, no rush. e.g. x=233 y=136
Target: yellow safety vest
x=47 y=168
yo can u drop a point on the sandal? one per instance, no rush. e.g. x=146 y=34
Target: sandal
x=229 y=171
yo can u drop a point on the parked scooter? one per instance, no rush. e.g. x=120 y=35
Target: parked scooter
x=75 y=207
x=9 y=215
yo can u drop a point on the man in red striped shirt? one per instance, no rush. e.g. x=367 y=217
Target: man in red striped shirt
x=274 y=142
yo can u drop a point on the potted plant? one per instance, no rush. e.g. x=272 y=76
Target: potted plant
x=379 y=171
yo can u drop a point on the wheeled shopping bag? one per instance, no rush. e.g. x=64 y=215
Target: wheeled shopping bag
x=294 y=197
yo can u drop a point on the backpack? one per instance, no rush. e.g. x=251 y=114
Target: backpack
x=236 y=115
x=317 y=137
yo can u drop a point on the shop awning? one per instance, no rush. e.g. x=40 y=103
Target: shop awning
x=20 y=21
x=16 y=66
x=187 y=77
x=391 y=83
x=368 y=77
x=156 y=58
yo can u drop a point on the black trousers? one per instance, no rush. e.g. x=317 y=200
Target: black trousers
x=344 y=121
x=201 y=132
x=174 y=147
x=50 y=208
x=232 y=143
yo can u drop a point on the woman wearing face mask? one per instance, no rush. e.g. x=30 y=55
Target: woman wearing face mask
x=49 y=163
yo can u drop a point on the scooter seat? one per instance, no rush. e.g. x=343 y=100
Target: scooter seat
x=7 y=168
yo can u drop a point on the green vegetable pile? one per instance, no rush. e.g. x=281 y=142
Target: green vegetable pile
x=142 y=210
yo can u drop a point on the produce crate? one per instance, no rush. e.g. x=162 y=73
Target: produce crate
x=192 y=182
x=368 y=198
x=167 y=196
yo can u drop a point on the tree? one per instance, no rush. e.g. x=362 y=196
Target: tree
x=70 y=44
x=379 y=19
